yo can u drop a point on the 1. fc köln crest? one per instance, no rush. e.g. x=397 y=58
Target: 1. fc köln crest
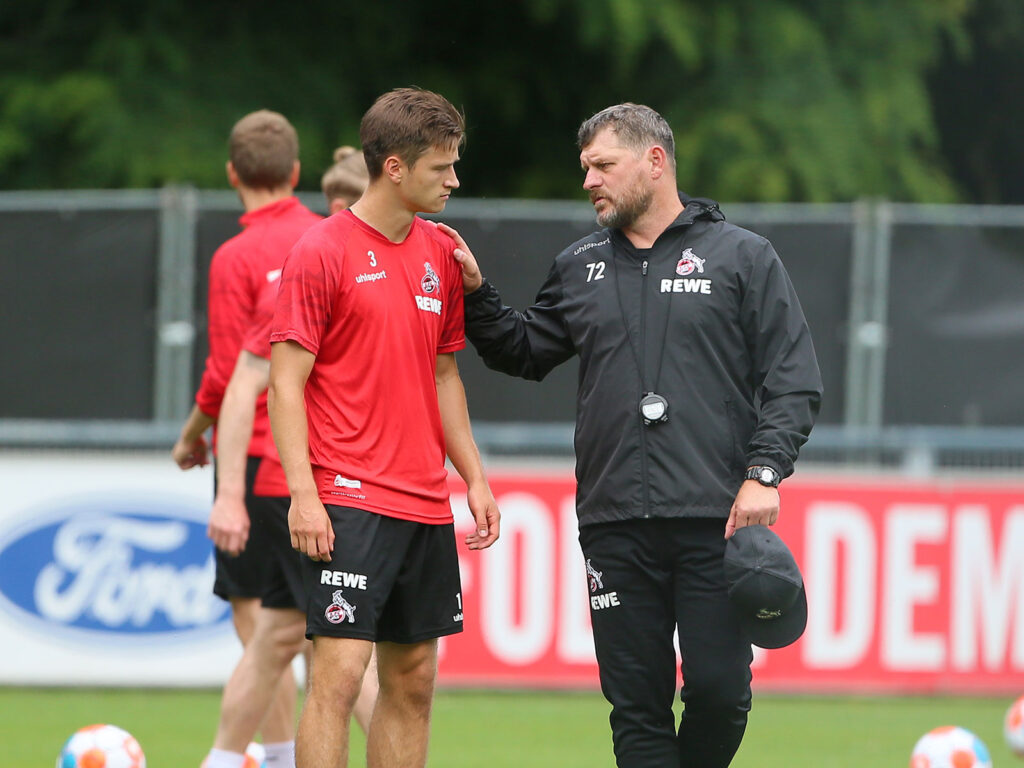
x=688 y=262
x=430 y=282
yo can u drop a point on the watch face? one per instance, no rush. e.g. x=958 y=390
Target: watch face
x=767 y=475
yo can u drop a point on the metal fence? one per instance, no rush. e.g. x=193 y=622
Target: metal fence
x=917 y=314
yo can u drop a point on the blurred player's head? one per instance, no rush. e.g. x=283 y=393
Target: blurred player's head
x=263 y=151
x=408 y=123
x=628 y=154
x=345 y=181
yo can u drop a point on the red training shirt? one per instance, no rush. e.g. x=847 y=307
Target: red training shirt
x=376 y=314
x=239 y=270
x=270 y=479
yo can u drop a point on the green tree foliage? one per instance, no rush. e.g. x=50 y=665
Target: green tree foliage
x=770 y=99
x=976 y=91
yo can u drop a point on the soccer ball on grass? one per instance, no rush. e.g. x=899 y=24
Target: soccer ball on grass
x=1013 y=727
x=101 y=746
x=950 y=747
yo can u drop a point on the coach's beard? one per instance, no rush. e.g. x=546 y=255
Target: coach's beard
x=625 y=212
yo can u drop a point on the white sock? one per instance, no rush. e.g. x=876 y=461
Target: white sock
x=280 y=754
x=221 y=758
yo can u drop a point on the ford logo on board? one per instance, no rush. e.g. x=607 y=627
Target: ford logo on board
x=114 y=567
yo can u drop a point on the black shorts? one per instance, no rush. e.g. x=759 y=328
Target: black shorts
x=242 y=575
x=388 y=580
x=283 y=585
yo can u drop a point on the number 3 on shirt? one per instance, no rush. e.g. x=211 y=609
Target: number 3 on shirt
x=373 y=258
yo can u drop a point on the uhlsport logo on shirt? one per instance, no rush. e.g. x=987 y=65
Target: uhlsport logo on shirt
x=113 y=569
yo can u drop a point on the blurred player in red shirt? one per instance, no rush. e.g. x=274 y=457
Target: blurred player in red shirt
x=280 y=629
x=365 y=402
x=263 y=167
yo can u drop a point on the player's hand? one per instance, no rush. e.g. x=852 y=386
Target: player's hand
x=195 y=454
x=486 y=517
x=310 y=528
x=229 y=524
x=755 y=504
x=471 y=277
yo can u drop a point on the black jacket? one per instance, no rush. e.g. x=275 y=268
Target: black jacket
x=708 y=319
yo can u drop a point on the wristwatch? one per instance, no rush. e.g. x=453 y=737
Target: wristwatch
x=764 y=475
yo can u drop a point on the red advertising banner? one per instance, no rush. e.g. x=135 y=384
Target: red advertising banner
x=912 y=587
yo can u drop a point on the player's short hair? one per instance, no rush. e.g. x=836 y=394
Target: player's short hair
x=263 y=148
x=408 y=122
x=637 y=126
x=347 y=177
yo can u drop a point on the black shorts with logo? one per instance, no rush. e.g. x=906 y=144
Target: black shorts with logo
x=283 y=585
x=388 y=580
x=242 y=575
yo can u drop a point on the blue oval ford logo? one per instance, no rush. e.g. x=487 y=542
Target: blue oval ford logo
x=107 y=565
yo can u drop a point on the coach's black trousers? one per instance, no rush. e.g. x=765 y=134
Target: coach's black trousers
x=648 y=578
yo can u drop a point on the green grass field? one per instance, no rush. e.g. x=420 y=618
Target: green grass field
x=513 y=730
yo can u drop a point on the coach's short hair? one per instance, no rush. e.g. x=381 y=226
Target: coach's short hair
x=263 y=149
x=408 y=122
x=637 y=126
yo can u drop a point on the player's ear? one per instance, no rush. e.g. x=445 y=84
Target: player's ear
x=394 y=168
x=233 y=179
x=293 y=180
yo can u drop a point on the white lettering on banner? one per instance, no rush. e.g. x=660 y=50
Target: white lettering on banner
x=575 y=639
x=527 y=538
x=987 y=590
x=907 y=585
x=92 y=572
x=839 y=624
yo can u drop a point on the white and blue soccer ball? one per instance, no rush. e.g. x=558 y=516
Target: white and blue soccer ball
x=950 y=747
x=101 y=746
x=1013 y=727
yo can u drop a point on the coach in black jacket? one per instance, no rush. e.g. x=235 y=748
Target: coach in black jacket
x=697 y=386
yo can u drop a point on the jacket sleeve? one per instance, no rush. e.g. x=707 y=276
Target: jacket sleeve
x=525 y=344
x=785 y=371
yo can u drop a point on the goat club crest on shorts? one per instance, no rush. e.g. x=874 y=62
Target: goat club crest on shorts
x=340 y=609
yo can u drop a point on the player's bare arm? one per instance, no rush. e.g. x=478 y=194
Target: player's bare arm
x=290 y=365
x=191 y=449
x=464 y=455
x=471 y=277
x=229 y=519
x=755 y=504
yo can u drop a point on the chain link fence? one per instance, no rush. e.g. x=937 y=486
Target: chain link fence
x=917 y=314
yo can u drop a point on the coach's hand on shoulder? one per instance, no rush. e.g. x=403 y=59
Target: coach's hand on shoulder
x=471 y=277
x=310 y=527
x=486 y=516
x=229 y=524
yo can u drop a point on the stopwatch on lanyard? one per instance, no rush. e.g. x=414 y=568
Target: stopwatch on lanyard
x=653 y=407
